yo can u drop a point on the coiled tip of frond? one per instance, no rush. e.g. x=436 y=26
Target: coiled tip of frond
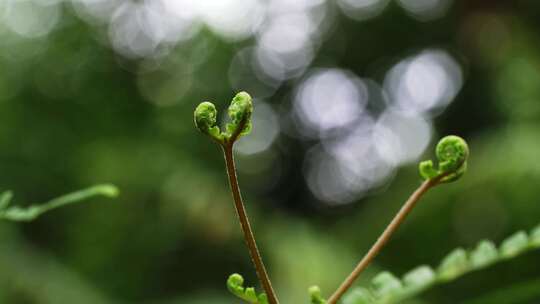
x=315 y=295
x=452 y=153
x=205 y=117
x=240 y=111
x=235 y=280
x=235 y=284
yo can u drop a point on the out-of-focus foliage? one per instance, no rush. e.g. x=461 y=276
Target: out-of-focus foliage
x=316 y=296
x=347 y=95
x=386 y=288
x=31 y=212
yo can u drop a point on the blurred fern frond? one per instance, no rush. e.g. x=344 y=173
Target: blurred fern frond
x=387 y=289
x=25 y=214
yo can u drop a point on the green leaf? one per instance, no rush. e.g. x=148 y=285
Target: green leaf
x=358 y=295
x=385 y=284
x=235 y=284
x=5 y=198
x=514 y=245
x=485 y=254
x=388 y=289
x=453 y=265
x=419 y=277
x=31 y=212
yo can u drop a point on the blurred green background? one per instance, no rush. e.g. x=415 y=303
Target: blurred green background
x=349 y=95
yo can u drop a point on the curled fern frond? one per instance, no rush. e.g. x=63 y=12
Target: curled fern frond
x=387 y=289
x=452 y=153
x=205 y=117
x=235 y=284
x=31 y=212
x=315 y=295
x=240 y=111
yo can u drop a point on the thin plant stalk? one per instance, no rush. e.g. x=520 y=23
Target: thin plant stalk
x=451 y=151
x=383 y=238
x=249 y=237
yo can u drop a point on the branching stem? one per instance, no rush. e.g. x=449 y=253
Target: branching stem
x=383 y=238
x=246 y=227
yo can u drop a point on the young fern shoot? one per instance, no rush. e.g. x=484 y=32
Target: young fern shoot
x=239 y=111
x=452 y=153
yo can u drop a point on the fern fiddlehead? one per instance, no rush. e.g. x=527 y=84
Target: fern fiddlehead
x=205 y=117
x=240 y=111
x=235 y=284
x=452 y=153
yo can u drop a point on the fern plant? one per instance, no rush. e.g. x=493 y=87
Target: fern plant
x=386 y=288
x=239 y=112
x=452 y=153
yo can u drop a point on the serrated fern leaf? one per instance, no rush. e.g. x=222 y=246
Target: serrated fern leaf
x=15 y=213
x=386 y=288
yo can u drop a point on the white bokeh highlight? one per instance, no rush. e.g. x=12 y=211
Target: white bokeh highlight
x=30 y=18
x=424 y=84
x=345 y=168
x=362 y=9
x=354 y=149
x=264 y=132
x=329 y=99
x=401 y=139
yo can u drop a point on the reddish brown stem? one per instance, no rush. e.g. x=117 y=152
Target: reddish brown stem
x=249 y=237
x=383 y=239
